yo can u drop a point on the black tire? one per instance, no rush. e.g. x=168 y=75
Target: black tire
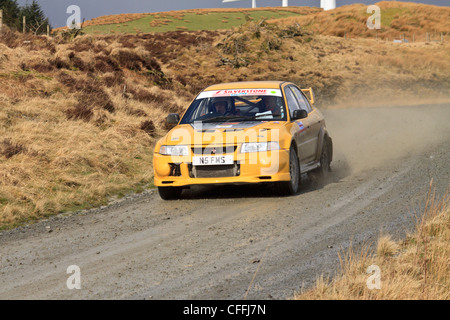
x=320 y=175
x=285 y=188
x=170 y=193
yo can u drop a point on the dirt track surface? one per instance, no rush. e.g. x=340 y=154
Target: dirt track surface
x=245 y=243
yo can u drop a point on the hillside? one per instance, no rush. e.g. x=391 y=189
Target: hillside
x=398 y=19
x=79 y=118
x=186 y=20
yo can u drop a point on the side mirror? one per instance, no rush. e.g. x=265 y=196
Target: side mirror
x=299 y=114
x=173 y=118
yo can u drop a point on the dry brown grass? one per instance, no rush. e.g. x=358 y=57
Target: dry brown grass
x=415 y=268
x=398 y=19
x=352 y=72
x=78 y=125
x=110 y=19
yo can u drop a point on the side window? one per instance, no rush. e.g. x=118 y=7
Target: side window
x=303 y=101
x=202 y=109
x=291 y=101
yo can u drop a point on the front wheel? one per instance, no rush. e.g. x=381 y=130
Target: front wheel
x=170 y=193
x=290 y=187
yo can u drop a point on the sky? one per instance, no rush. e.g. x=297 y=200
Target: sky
x=56 y=10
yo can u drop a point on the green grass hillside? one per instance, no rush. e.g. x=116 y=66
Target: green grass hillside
x=188 y=21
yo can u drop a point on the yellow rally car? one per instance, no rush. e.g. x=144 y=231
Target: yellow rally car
x=244 y=132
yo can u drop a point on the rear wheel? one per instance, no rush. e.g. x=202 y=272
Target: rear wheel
x=290 y=187
x=320 y=175
x=170 y=193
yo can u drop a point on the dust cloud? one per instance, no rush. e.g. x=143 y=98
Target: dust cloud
x=365 y=138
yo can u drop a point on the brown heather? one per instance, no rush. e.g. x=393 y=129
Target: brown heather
x=79 y=119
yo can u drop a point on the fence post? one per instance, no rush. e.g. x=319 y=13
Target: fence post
x=1 y=19
x=24 y=24
x=48 y=30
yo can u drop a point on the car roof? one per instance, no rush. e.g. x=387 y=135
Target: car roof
x=245 y=85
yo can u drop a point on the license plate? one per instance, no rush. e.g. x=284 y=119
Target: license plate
x=212 y=160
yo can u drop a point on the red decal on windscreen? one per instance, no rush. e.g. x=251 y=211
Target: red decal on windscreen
x=240 y=92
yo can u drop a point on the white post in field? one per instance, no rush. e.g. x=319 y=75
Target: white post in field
x=328 y=4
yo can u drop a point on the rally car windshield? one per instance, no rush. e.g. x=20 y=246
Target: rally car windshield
x=236 y=106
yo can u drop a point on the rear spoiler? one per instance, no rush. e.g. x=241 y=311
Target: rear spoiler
x=310 y=94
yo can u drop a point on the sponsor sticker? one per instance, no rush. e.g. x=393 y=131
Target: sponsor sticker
x=239 y=92
x=301 y=126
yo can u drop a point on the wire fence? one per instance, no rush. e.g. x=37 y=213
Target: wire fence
x=30 y=27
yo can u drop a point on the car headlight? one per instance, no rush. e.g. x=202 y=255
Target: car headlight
x=259 y=146
x=174 y=150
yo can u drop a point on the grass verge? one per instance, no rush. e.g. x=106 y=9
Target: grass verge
x=415 y=268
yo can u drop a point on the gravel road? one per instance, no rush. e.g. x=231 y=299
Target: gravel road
x=245 y=243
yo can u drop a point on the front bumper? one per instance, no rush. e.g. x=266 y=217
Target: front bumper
x=255 y=167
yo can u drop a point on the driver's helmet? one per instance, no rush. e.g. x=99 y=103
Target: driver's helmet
x=271 y=102
x=217 y=105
